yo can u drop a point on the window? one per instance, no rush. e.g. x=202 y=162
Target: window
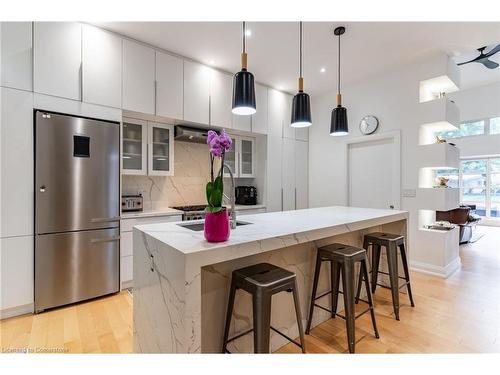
x=480 y=185
x=466 y=129
x=495 y=125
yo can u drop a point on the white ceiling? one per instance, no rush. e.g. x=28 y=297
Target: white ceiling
x=475 y=74
x=367 y=47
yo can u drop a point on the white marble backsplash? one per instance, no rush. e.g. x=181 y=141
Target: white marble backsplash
x=186 y=187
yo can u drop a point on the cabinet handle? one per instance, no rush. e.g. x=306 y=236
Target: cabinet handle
x=295 y=198
x=105 y=239
x=281 y=199
x=104 y=219
x=156 y=84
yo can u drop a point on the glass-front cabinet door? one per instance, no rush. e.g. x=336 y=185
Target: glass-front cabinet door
x=161 y=149
x=246 y=156
x=134 y=145
x=230 y=159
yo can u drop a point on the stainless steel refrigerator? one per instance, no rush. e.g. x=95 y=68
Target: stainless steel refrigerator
x=77 y=209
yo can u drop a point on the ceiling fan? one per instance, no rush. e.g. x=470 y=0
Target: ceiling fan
x=483 y=58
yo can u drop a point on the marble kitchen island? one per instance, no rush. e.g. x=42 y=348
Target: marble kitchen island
x=181 y=282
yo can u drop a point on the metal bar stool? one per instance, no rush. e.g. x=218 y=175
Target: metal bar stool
x=262 y=281
x=391 y=242
x=343 y=259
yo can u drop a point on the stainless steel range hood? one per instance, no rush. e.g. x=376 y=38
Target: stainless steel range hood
x=190 y=134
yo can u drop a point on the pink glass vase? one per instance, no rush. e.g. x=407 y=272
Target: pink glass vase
x=217 y=226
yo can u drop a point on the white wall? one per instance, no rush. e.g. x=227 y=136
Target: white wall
x=475 y=104
x=393 y=98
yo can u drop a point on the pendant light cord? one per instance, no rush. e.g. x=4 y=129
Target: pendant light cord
x=300 y=49
x=244 y=37
x=338 y=82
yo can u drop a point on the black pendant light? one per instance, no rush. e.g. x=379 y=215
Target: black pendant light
x=301 y=106
x=338 y=124
x=244 y=86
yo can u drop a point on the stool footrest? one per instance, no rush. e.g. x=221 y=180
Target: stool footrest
x=386 y=273
x=323 y=308
x=325 y=294
x=251 y=330
x=399 y=286
x=240 y=335
x=286 y=337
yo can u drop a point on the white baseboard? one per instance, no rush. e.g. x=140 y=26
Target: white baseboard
x=439 y=271
x=15 y=311
x=127 y=284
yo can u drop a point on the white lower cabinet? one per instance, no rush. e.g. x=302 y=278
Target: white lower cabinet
x=127 y=244
x=16 y=275
x=16 y=161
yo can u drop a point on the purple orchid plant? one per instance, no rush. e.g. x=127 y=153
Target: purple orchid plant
x=219 y=144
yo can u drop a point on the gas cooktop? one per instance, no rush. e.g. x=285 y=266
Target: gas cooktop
x=190 y=208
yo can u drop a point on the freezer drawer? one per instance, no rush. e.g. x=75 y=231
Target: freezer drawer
x=75 y=266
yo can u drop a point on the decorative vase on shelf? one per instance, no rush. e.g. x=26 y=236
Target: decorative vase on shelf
x=217 y=226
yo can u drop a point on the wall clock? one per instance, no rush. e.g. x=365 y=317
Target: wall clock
x=368 y=125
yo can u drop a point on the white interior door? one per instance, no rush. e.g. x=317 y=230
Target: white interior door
x=374 y=174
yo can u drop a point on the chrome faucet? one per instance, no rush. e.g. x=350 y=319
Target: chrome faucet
x=232 y=197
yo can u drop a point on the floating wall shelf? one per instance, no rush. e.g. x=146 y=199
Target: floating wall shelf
x=443 y=77
x=438 y=156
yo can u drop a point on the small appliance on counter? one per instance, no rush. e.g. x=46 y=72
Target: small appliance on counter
x=246 y=195
x=132 y=203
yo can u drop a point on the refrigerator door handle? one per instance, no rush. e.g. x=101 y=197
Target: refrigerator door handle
x=105 y=219
x=105 y=239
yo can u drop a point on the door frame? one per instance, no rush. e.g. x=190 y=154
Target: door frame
x=395 y=136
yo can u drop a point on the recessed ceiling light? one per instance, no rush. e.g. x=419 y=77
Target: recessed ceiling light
x=211 y=62
x=248 y=32
x=322 y=70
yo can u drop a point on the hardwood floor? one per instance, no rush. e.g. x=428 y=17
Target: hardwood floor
x=102 y=325
x=457 y=315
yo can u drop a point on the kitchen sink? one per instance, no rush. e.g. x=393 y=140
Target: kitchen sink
x=198 y=227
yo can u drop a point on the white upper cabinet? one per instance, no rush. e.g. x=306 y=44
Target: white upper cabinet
x=277 y=108
x=16 y=157
x=138 y=77
x=301 y=175
x=288 y=131
x=259 y=119
x=242 y=123
x=101 y=67
x=16 y=55
x=169 y=86
x=196 y=92
x=221 y=86
x=58 y=59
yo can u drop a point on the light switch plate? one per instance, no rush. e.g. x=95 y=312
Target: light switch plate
x=409 y=193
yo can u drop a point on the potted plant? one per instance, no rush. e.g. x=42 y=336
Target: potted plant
x=216 y=227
